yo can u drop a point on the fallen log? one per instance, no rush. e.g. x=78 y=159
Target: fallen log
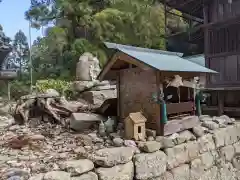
x=55 y=107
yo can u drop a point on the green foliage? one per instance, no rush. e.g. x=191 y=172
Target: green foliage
x=20 y=52
x=82 y=26
x=58 y=85
x=82 y=45
x=19 y=88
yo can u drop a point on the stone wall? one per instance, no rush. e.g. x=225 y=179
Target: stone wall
x=210 y=151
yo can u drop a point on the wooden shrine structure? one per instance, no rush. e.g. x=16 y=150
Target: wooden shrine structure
x=221 y=28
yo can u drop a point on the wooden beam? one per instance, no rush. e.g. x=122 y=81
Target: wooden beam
x=179 y=4
x=122 y=57
x=222 y=23
x=131 y=60
x=118 y=96
x=108 y=66
x=186 y=16
x=206 y=33
x=160 y=126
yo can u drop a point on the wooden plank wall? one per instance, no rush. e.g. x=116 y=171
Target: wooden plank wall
x=221 y=9
x=136 y=89
x=228 y=68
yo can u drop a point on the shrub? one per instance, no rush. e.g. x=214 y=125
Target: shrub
x=19 y=88
x=59 y=85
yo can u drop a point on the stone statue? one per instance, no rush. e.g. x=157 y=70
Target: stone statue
x=87 y=68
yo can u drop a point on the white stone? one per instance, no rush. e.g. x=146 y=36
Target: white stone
x=119 y=172
x=219 y=137
x=176 y=156
x=77 y=167
x=57 y=175
x=150 y=165
x=83 y=121
x=83 y=85
x=37 y=137
x=185 y=136
x=87 y=67
x=52 y=93
x=210 y=125
x=118 y=142
x=211 y=174
x=206 y=143
x=182 y=172
x=37 y=177
x=110 y=157
x=151 y=146
x=227 y=152
x=237 y=147
x=198 y=131
x=87 y=176
x=98 y=97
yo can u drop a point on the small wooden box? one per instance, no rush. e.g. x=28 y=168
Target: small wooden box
x=135 y=126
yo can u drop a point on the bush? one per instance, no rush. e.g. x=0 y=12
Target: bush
x=19 y=88
x=59 y=85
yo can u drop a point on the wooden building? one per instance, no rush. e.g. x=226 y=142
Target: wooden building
x=221 y=49
x=141 y=73
x=4 y=73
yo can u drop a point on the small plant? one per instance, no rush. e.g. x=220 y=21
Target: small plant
x=19 y=88
x=59 y=85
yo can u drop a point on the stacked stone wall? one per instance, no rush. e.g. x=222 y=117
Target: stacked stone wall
x=210 y=151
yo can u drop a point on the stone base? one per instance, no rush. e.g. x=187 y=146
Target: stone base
x=83 y=121
x=98 y=97
x=80 y=86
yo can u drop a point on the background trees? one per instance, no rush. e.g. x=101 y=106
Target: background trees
x=72 y=27
x=21 y=52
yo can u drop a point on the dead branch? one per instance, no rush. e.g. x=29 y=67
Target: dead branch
x=56 y=108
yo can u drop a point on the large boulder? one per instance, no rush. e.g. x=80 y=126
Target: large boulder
x=52 y=93
x=119 y=172
x=88 y=176
x=94 y=85
x=181 y=172
x=98 y=97
x=110 y=157
x=80 y=86
x=179 y=125
x=83 y=121
x=150 y=165
x=151 y=146
x=87 y=67
x=57 y=175
x=77 y=167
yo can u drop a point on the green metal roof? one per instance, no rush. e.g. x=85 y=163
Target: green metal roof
x=198 y=59
x=161 y=60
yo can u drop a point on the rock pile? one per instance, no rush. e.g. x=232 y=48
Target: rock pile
x=53 y=153
x=92 y=90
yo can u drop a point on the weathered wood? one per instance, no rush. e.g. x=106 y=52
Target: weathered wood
x=160 y=126
x=178 y=108
x=225 y=109
x=58 y=108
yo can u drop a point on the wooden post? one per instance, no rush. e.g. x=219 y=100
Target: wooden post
x=206 y=33
x=220 y=95
x=160 y=126
x=118 y=98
